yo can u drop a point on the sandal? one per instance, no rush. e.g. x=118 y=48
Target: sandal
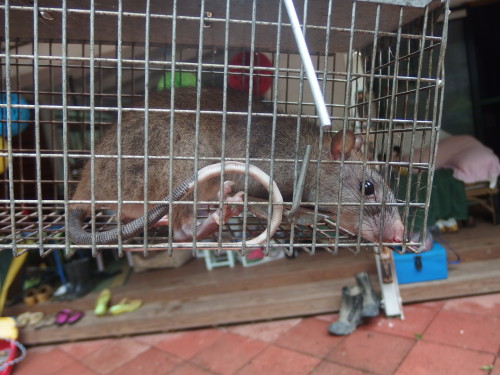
x=75 y=316
x=62 y=317
x=47 y=321
x=23 y=319
x=101 y=306
x=125 y=305
x=68 y=316
x=29 y=318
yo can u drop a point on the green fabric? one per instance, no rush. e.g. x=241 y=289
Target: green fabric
x=447 y=201
x=181 y=79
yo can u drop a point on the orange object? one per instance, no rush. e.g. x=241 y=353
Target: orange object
x=29 y=297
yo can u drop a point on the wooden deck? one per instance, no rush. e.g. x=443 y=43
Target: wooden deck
x=192 y=297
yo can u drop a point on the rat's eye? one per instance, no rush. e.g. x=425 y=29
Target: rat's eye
x=369 y=188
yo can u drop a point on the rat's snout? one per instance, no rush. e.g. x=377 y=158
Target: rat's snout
x=394 y=231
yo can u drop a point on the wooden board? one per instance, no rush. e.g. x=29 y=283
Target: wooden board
x=192 y=297
x=316 y=297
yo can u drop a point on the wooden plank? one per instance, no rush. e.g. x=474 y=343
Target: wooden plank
x=463 y=279
x=321 y=266
x=210 y=310
x=175 y=311
x=192 y=297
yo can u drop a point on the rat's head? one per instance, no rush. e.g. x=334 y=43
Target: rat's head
x=380 y=220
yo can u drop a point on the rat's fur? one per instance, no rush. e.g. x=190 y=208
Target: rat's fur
x=209 y=146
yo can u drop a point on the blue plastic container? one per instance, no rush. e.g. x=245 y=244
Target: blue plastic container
x=20 y=116
x=430 y=265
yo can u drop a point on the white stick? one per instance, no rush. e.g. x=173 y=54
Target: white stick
x=308 y=65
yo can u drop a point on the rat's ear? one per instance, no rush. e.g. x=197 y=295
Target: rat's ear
x=352 y=142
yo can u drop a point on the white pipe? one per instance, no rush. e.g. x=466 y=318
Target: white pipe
x=324 y=117
x=215 y=170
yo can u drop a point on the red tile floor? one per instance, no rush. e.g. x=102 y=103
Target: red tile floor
x=459 y=336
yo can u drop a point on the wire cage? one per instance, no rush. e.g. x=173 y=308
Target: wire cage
x=73 y=72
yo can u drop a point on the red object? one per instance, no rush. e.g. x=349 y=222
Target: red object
x=11 y=348
x=239 y=78
x=257 y=254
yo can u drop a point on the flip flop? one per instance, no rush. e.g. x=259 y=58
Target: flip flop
x=125 y=305
x=68 y=316
x=35 y=318
x=75 y=316
x=101 y=306
x=47 y=321
x=62 y=316
x=23 y=319
x=29 y=318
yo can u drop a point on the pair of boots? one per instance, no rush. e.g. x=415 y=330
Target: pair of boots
x=358 y=302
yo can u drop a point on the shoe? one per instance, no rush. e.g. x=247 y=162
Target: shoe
x=29 y=297
x=67 y=316
x=75 y=316
x=125 y=305
x=101 y=305
x=371 y=302
x=38 y=295
x=44 y=293
x=350 y=311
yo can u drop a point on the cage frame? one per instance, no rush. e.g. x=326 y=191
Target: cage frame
x=208 y=23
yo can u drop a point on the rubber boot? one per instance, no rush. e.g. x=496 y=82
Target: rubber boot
x=371 y=302
x=78 y=274
x=350 y=311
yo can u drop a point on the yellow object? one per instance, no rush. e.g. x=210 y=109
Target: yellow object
x=15 y=266
x=125 y=305
x=101 y=306
x=8 y=329
x=3 y=160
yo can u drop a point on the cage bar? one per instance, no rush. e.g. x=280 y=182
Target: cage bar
x=82 y=66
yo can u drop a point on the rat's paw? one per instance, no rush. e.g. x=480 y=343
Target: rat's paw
x=228 y=211
x=228 y=188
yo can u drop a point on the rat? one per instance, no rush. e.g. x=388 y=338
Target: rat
x=379 y=222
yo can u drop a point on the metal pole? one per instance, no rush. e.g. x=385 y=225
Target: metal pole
x=308 y=65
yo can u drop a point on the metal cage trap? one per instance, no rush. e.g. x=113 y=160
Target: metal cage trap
x=72 y=70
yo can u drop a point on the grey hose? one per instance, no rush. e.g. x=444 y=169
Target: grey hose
x=82 y=237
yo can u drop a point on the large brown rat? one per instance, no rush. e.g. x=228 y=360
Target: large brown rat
x=379 y=222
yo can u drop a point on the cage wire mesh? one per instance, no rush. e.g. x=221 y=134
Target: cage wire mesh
x=72 y=70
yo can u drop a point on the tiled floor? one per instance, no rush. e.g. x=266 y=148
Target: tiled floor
x=460 y=336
